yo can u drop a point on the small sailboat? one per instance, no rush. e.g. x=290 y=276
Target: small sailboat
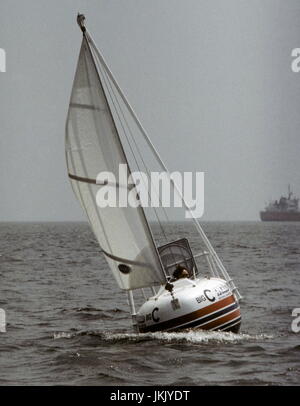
x=206 y=297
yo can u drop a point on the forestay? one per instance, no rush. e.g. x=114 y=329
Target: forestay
x=93 y=146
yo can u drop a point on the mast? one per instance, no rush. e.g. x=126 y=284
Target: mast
x=289 y=192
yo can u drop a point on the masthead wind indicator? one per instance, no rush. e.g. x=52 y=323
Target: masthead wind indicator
x=80 y=22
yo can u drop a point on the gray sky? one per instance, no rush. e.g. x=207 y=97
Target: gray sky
x=210 y=80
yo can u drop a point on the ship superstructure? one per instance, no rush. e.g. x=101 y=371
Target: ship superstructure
x=284 y=209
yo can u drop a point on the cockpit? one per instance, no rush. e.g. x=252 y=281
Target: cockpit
x=178 y=253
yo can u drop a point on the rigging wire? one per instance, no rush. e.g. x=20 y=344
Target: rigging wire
x=115 y=101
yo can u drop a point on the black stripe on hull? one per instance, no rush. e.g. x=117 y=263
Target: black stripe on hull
x=210 y=317
x=199 y=324
x=232 y=326
x=203 y=320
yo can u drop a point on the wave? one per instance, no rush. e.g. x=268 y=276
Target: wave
x=193 y=337
x=93 y=309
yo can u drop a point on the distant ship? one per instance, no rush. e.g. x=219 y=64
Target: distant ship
x=286 y=209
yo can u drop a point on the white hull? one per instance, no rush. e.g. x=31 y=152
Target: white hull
x=202 y=303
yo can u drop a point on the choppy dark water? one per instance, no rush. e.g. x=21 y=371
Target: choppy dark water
x=69 y=324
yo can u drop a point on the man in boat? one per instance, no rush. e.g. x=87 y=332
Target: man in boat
x=180 y=272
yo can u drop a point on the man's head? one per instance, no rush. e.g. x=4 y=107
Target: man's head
x=180 y=272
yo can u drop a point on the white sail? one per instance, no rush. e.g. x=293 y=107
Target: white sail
x=93 y=146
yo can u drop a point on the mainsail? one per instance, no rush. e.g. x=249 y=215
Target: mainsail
x=93 y=146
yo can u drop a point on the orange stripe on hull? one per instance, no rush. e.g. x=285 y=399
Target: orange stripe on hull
x=222 y=320
x=215 y=306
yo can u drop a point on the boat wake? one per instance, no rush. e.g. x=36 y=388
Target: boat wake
x=188 y=336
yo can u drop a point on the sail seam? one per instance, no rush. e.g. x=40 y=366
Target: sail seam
x=86 y=106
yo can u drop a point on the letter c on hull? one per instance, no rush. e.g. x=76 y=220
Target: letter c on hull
x=156 y=319
x=211 y=299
